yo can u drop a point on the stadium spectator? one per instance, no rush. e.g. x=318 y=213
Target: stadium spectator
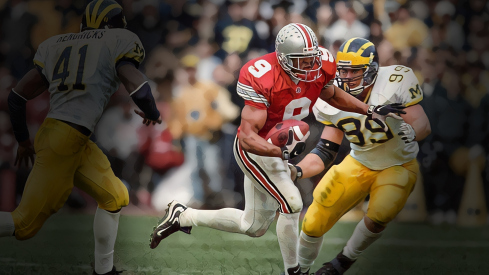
x=200 y=109
x=234 y=33
x=347 y=26
x=406 y=31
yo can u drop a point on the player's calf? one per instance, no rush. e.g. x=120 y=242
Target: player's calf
x=169 y=224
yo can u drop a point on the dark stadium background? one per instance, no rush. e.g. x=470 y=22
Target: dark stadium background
x=446 y=43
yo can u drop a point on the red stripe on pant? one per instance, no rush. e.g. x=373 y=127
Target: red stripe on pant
x=262 y=180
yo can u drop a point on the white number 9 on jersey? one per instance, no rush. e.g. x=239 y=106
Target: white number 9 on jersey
x=260 y=68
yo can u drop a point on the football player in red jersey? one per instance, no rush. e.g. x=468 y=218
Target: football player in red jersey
x=277 y=86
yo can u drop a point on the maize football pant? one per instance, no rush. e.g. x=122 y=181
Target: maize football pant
x=347 y=184
x=64 y=158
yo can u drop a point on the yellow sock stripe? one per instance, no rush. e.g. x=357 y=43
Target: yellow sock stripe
x=94 y=14
x=105 y=11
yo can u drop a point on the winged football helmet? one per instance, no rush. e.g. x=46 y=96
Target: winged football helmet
x=103 y=14
x=357 y=53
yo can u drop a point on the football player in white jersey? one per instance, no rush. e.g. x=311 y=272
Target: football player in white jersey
x=382 y=161
x=81 y=72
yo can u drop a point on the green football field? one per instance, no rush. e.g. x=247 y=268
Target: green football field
x=65 y=246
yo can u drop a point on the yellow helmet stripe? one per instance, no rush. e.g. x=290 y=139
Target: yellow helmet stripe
x=94 y=13
x=345 y=49
x=105 y=11
x=364 y=47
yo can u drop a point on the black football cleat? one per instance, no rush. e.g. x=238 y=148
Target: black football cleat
x=337 y=266
x=112 y=272
x=327 y=269
x=294 y=271
x=169 y=224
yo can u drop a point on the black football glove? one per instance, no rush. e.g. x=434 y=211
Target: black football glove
x=380 y=112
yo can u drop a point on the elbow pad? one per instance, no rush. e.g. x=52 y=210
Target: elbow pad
x=17 y=111
x=327 y=151
x=144 y=100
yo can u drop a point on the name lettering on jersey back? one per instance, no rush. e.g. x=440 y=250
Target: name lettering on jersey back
x=96 y=34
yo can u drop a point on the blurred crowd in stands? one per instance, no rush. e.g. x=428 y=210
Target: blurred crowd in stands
x=194 y=50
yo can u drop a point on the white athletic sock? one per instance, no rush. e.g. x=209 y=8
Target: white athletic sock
x=359 y=241
x=226 y=219
x=105 y=226
x=288 y=238
x=7 y=226
x=309 y=248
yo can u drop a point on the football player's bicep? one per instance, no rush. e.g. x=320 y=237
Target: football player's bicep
x=252 y=119
x=332 y=134
x=416 y=117
x=31 y=85
x=131 y=77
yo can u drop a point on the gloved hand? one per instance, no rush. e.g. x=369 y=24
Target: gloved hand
x=294 y=147
x=380 y=112
x=407 y=132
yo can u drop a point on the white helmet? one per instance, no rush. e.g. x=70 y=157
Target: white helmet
x=298 y=41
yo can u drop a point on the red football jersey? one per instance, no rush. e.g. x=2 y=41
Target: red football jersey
x=263 y=84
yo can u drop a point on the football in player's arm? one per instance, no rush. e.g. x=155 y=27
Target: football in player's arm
x=81 y=71
x=382 y=161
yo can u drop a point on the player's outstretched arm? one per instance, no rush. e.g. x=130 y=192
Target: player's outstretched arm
x=140 y=92
x=417 y=124
x=321 y=157
x=342 y=100
x=252 y=120
x=29 y=87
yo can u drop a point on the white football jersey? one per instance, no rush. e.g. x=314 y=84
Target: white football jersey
x=370 y=145
x=81 y=71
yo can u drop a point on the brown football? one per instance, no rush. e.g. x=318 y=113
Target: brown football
x=279 y=134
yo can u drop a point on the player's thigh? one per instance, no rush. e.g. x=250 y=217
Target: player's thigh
x=344 y=186
x=390 y=192
x=96 y=178
x=51 y=178
x=272 y=176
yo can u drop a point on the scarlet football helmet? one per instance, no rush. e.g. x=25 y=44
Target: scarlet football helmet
x=298 y=41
